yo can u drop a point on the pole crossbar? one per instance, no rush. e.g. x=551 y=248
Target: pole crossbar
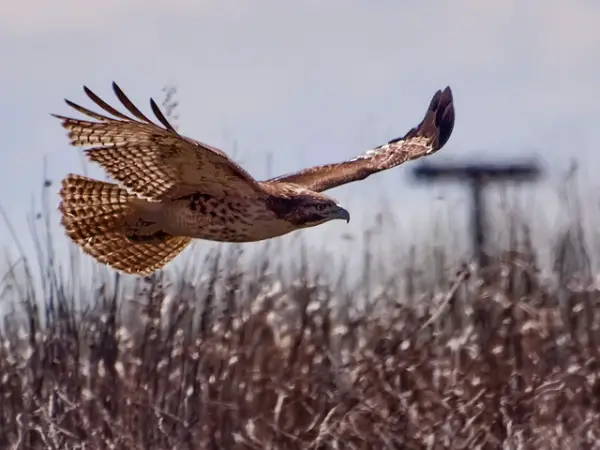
x=476 y=177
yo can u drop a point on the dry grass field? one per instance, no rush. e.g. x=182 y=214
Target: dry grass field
x=245 y=358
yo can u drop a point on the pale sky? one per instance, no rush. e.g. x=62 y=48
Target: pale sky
x=311 y=82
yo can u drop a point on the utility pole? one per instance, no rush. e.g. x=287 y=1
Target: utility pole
x=477 y=176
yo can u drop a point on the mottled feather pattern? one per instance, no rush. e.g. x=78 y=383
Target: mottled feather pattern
x=90 y=207
x=116 y=251
x=428 y=137
x=171 y=189
x=93 y=211
x=77 y=190
x=138 y=168
x=84 y=133
x=163 y=164
x=393 y=149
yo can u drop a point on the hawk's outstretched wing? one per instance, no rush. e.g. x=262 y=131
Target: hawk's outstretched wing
x=426 y=138
x=151 y=161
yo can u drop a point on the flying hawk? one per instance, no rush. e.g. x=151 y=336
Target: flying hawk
x=172 y=189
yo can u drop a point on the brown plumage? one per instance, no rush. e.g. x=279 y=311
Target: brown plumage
x=172 y=189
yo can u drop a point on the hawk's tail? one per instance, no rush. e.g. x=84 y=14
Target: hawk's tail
x=97 y=215
x=92 y=208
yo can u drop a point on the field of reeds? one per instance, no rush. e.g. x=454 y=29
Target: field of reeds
x=247 y=356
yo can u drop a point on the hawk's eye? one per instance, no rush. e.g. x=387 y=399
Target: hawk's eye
x=321 y=207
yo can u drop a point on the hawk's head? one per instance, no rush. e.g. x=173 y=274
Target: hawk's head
x=304 y=208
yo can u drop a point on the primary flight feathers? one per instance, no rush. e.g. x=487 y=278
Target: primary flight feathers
x=172 y=188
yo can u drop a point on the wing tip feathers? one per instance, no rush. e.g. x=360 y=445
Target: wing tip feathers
x=438 y=122
x=122 y=97
x=444 y=117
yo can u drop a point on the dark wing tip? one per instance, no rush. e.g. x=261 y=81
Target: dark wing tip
x=88 y=91
x=161 y=117
x=444 y=116
x=438 y=122
x=62 y=119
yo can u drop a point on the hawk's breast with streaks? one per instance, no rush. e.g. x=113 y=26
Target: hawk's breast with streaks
x=224 y=219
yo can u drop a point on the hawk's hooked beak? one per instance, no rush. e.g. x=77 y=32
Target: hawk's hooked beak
x=340 y=213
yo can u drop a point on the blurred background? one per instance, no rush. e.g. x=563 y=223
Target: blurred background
x=368 y=334
x=281 y=86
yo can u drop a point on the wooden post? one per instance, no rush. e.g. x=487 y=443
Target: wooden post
x=477 y=176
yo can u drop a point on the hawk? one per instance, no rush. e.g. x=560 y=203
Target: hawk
x=172 y=189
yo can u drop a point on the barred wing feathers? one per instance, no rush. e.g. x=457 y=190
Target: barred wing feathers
x=151 y=161
x=426 y=138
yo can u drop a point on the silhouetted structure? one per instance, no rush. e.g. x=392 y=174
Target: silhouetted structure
x=477 y=176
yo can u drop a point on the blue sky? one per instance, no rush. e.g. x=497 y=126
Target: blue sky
x=312 y=82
